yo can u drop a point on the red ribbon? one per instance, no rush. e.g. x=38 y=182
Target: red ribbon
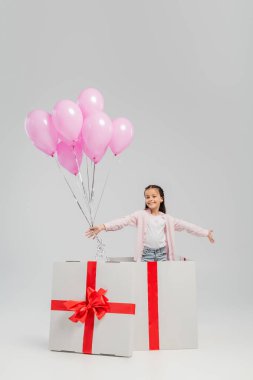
x=95 y=304
x=153 y=310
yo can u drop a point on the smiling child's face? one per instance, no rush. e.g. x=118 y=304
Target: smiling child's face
x=153 y=199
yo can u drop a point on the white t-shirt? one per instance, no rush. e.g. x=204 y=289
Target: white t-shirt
x=155 y=234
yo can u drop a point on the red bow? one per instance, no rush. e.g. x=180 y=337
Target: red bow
x=96 y=302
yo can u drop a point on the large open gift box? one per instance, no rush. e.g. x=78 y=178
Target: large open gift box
x=119 y=306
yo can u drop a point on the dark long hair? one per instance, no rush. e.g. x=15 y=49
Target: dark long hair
x=162 y=207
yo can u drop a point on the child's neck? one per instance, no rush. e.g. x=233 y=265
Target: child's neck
x=155 y=212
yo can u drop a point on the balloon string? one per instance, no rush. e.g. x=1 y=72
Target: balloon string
x=105 y=183
x=80 y=207
x=88 y=179
x=86 y=203
x=100 y=246
x=84 y=191
x=93 y=179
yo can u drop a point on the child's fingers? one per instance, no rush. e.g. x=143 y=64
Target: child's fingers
x=89 y=233
x=92 y=232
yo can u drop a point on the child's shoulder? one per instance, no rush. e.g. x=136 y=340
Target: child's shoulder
x=168 y=217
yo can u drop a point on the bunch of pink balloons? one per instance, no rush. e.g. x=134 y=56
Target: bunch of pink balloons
x=74 y=129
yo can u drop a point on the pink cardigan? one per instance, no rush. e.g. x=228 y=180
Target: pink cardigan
x=139 y=219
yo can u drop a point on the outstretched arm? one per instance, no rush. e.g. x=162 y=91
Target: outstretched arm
x=117 y=224
x=181 y=225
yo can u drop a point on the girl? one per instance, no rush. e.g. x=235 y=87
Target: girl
x=155 y=228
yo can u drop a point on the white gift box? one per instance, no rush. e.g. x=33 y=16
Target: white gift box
x=166 y=312
x=166 y=307
x=113 y=333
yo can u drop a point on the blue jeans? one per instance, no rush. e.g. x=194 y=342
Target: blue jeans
x=150 y=254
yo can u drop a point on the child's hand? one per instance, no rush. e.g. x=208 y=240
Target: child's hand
x=210 y=236
x=93 y=231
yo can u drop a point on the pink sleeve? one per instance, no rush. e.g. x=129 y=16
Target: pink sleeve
x=118 y=224
x=181 y=225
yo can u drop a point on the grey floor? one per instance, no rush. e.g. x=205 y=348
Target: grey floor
x=225 y=352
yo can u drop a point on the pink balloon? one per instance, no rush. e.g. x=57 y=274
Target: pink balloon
x=97 y=133
x=72 y=143
x=122 y=135
x=95 y=158
x=40 y=129
x=68 y=119
x=90 y=100
x=70 y=157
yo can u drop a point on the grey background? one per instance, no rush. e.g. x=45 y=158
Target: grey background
x=181 y=71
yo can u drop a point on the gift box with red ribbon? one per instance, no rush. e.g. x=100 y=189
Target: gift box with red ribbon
x=93 y=308
x=166 y=309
